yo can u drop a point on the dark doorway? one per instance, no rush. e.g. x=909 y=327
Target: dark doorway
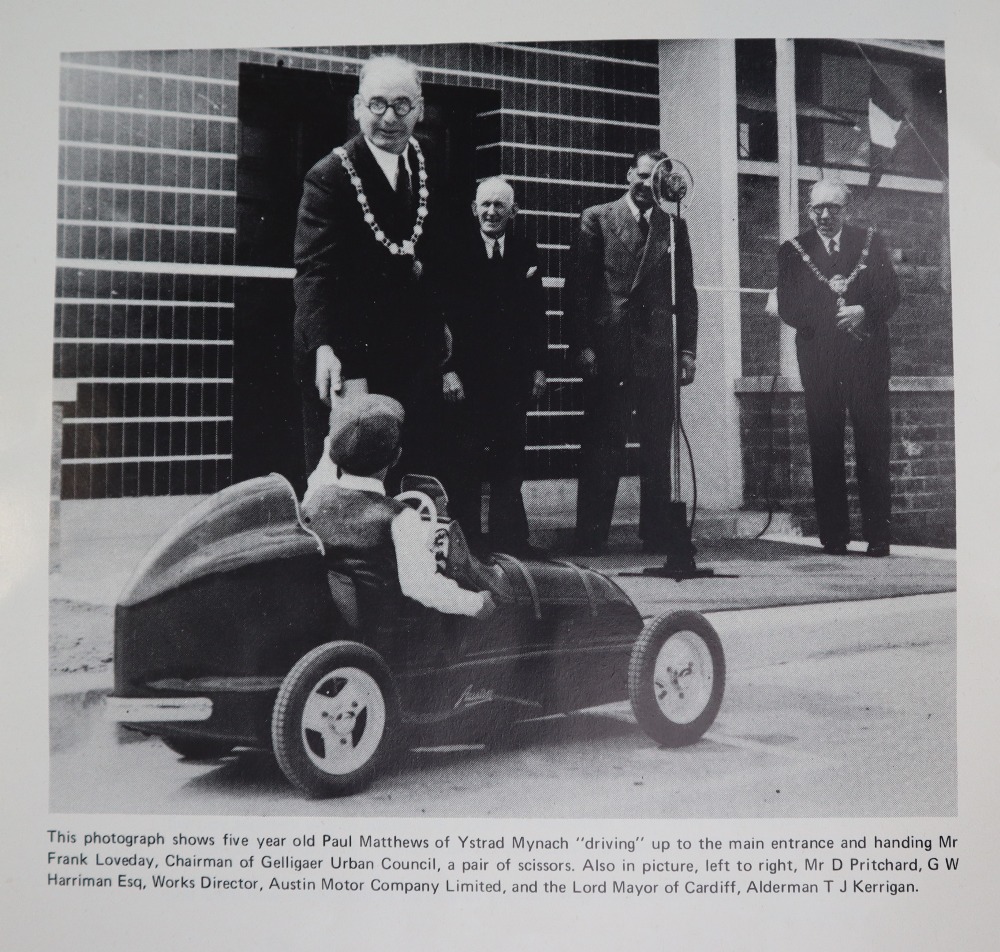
x=288 y=120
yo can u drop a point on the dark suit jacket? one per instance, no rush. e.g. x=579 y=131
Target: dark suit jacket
x=621 y=295
x=350 y=292
x=497 y=318
x=811 y=307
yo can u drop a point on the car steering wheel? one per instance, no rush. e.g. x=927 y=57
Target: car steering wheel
x=424 y=505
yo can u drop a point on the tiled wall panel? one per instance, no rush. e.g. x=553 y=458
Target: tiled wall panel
x=147 y=210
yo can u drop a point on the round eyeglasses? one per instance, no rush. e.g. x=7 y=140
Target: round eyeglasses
x=402 y=107
x=828 y=208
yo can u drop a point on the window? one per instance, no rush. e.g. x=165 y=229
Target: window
x=833 y=82
x=756 y=116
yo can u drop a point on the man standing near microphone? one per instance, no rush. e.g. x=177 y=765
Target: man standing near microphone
x=623 y=289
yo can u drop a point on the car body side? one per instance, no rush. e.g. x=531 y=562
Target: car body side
x=229 y=600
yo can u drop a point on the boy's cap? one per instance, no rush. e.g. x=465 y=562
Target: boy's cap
x=364 y=432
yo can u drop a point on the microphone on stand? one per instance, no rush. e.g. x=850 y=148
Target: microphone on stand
x=672 y=185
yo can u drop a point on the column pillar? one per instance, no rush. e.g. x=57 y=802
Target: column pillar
x=788 y=181
x=698 y=126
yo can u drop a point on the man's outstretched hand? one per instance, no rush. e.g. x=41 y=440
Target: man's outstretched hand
x=328 y=380
x=688 y=366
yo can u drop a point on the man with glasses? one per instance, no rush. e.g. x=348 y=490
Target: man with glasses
x=368 y=259
x=837 y=288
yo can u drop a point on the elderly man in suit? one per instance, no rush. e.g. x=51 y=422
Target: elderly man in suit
x=622 y=322
x=368 y=256
x=497 y=320
x=837 y=288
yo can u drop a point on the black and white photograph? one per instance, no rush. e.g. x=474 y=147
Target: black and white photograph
x=477 y=476
x=538 y=429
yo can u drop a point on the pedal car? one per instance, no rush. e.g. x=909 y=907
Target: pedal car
x=237 y=630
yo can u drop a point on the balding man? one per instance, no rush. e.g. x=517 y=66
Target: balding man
x=367 y=257
x=497 y=320
x=837 y=288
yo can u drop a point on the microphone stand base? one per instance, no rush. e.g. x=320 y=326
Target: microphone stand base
x=678 y=572
x=680 y=563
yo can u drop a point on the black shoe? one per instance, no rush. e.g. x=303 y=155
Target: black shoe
x=878 y=550
x=838 y=548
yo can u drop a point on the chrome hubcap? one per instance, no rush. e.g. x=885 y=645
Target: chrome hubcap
x=682 y=677
x=343 y=720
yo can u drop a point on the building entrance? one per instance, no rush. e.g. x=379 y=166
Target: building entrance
x=288 y=120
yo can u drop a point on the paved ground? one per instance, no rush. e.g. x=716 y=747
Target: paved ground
x=840 y=701
x=830 y=710
x=769 y=573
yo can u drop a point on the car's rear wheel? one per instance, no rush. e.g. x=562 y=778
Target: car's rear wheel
x=676 y=678
x=197 y=748
x=335 y=720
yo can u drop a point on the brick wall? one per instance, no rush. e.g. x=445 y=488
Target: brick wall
x=147 y=227
x=776 y=465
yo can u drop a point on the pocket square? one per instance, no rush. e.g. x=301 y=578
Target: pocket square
x=531 y=271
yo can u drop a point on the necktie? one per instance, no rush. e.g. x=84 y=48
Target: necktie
x=403 y=185
x=496 y=257
x=832 y=248
x=643 y=228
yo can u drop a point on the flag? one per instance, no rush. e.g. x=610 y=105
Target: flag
x=885 y=116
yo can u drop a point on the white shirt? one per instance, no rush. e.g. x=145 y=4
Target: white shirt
x=637 y=212
x=364 y=484
x=388 y=162
x=835 y=239
x=411 y=538
x=489 y=242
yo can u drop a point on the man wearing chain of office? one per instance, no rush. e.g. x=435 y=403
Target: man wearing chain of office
x=368 y=256
x=838 y=289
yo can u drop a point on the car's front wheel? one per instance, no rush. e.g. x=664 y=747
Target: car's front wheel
x=676 y=677
x=335 y=720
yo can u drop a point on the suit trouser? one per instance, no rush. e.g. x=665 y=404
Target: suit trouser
x=487 y=444
x=841 y=377
x=619 y=407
